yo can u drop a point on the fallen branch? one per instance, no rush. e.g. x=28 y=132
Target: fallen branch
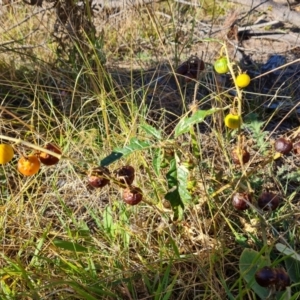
x=288 y=38
x=279 y=11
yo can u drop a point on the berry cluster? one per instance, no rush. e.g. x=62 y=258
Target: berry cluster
x=267 y=201
x=123 y=177
x=31 y=164
x=277 y=277
x=281 y=145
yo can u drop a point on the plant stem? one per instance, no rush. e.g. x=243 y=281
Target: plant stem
x=30 y=145
x=264 y=236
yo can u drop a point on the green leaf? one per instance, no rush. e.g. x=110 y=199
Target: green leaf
x=241 y=240
x=152 y=131
x=178 y=195
x=295 y=176
x=182 y=178
x=157 y=160
x=114 y=156
x=195 y=145
x=173 y=197
x=250 y=262
x=69 y=246
x=293 y=268
x=186 y=122
x=134 y=145
x=169 y=290
x=253 y=118
x=108 y=221
x=172 y=174
x=287 y=251
x=252 y=123
x=292 y=262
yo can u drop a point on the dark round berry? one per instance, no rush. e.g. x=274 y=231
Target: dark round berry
x=48 y=159
x=125 y=175
x=99 y=177
x=238 y=153
x=283 y=145
x=282 y=279
x=240 y=201
x=132 y=195
x=191 y=68
x=265 y=276
x=268 y=201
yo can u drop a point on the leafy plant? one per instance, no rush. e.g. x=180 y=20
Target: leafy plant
x=177 y=176
x=255 y=126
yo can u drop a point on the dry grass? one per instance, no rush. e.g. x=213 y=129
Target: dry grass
x=61 y=239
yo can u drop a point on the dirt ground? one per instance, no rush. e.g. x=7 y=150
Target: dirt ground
x=256 y=40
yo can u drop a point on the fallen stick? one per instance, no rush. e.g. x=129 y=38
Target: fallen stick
x=279 y=11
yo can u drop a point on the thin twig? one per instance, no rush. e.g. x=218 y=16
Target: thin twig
x=30 y=145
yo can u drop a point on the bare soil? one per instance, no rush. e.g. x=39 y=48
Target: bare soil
x=256 y=40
